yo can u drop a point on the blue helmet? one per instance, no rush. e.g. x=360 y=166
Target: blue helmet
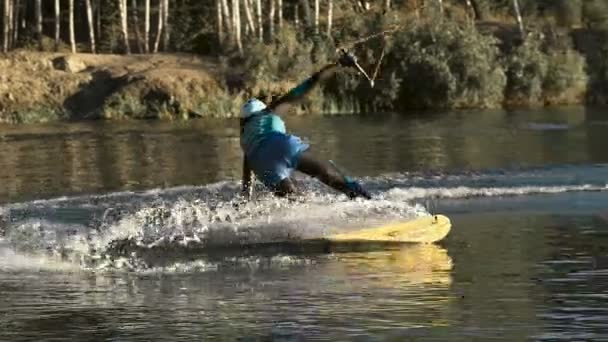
x=252 y=107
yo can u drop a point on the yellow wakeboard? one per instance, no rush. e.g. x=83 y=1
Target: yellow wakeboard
x=427 y=229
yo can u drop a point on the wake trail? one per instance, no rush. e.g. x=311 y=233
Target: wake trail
x=103 y=231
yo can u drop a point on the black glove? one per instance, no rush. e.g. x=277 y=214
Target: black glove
x=347 y=59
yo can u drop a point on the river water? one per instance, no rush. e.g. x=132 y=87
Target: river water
x=132 y=231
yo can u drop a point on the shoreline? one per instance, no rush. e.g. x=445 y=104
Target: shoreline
x=49 y=87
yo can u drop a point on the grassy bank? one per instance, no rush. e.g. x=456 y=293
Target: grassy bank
x=430 y=64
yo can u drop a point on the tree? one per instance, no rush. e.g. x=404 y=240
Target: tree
x=5 y=27
x=330 y=7
x=147 y=27
x=271 y=20
x=227 y=17
x=220 y=21
x=15 y=20
x=316 y=16
x=11 y=5
x=480 y=9
x=237 y=25
x=71 y=17
x=520 y=22
x=280 y=13
x=305 y=5
x=260 y=26
x=57 y=25
x=91 y=27
x=39 y=22
x=122 y=6
x=159 y=28
x=135 y=18
x=166 y=25
x=248 y=16
x=296 y=15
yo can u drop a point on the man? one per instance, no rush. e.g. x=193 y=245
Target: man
x=272 y=154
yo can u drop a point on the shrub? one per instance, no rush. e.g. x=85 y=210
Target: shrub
x=526 y=71
x=566 y=78
x=445 y=66
x=595 y=14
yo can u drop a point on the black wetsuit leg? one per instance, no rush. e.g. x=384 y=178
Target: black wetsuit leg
x=328 y=174
x=284 y=188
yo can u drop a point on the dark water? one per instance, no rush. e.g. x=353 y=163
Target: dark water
x=99 y=219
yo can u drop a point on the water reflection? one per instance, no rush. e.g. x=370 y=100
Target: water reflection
x=252 y=298
x=60 y=159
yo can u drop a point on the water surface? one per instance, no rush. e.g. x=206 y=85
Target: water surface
x=132 y=232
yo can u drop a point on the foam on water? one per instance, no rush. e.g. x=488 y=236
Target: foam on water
x=106 y=232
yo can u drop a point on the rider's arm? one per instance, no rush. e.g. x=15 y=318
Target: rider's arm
x=297 y=94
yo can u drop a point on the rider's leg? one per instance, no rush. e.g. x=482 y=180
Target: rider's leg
x=284 y=188
x=328 y=174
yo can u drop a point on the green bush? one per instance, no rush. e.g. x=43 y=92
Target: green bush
x=595 y=14
x=526 y=70
x=566 y=78
x=445 y=66
x=568 y=12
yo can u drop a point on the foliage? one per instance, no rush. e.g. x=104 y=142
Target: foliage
x=526 y=70
x=544 y=70
x=566 y=78
x=598 y=63
x=595 y=13
x=434 y=66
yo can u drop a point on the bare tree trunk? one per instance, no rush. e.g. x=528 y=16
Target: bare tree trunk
x=98 y=21
x=306 y=13
x=15 y=23
x=220 y=22
x=71 y=27
x=122 y=5
x=440 y=3
x=135 y=16
x=316 y=16
x=363 y=5
x=330 y=13
x=24 y=15
x=147 y=27
x=11 y=8
x=159 y=30
x=271 y=20
x=296 y=15
x=480 y=10
x=228 y=18
x=469 y=9
x=260 y=24
x=39 y=22
x=280 y=14
x=166 y=25
x=5 y=27
x=237 y=25
x=91 y=26
x=57 y=25
x=387 y=5
x=520 y=21
x=249 y=17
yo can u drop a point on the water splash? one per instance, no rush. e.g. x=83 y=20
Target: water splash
x=110 y=231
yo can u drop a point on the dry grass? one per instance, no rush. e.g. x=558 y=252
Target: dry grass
x=110 y=86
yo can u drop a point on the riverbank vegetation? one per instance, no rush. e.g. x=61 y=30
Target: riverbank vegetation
x=115 y=59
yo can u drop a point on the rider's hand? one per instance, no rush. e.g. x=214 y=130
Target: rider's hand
x=347 y=59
